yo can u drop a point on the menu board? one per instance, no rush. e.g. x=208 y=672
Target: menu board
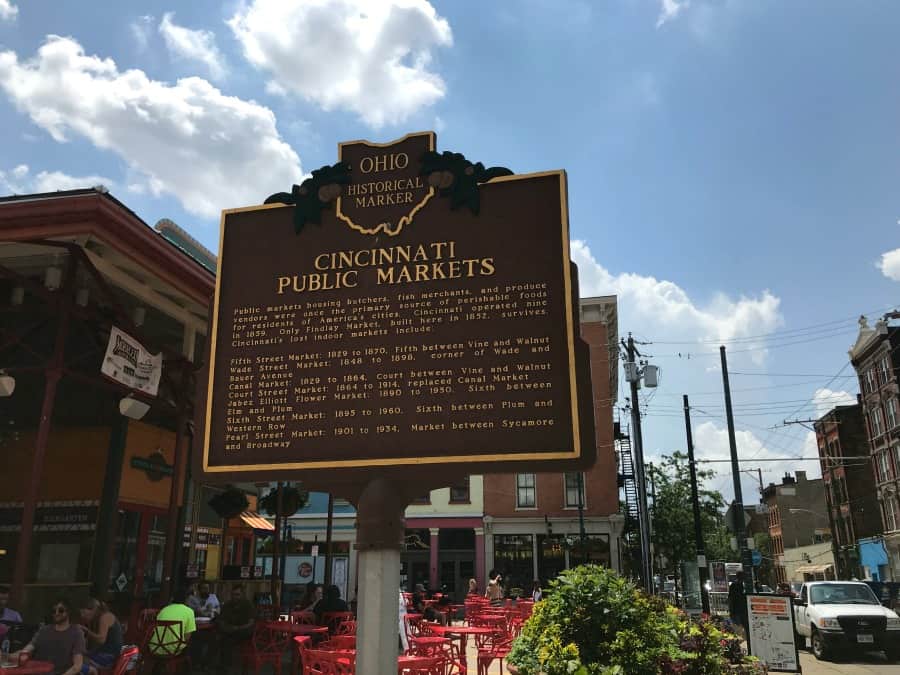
x=770 y=636
x=442 y=338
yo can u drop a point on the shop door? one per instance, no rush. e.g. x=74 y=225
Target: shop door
x=455 y=575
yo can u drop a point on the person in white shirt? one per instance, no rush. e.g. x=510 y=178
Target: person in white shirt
x=404 y=642
x=203 y=602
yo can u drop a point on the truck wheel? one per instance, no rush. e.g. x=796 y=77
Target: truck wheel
x=819 y=648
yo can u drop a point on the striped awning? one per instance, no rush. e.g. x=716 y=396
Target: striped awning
x=256 y=521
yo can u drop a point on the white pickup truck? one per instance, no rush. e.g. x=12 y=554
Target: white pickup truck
x=838 y=615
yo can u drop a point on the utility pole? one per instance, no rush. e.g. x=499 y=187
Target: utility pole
x=695 y=502
x=329 y=525
x=651 y=476
x=740 y=529
x=632 y=375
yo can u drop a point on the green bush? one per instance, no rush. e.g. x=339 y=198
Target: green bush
x=594 y=622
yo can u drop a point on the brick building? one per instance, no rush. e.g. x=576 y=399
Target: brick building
x=531 y=520
x=874 y=356
x=797 y=519
x=852 y=506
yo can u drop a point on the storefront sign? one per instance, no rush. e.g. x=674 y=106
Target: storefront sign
x=128 y=362
x=770 y=637
x=64 y=516
x=154 y=465
x=406 y=308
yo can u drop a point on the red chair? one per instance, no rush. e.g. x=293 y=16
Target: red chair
x=420 y=665
x=145 y=618
x=411 y=623
x=166 y=646
x=126 y=657
x=318 y=662
x=301 y=644
x=334 y=619
x=304 y=618
x=495 y=646
x=338 y=642
x=269 y=642
x=346 y=627
x=444 y=649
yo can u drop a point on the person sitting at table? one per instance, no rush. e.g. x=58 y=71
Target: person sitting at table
x=234 y=625
x=428 y=612
x=103 y=632
x=331 y=602
x=203 y=602
x=176 y=611
x=60 y=642
x=7 y=616
x=312 y=598
x=473 y=587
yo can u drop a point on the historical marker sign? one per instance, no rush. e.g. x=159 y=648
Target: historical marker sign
x=424 y=319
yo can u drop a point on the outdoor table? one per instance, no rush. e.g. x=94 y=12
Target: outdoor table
x=461 y=632
x=406 y=661
x=298 y=629
x=32 y=667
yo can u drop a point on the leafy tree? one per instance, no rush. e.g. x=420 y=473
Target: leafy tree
x=673 y=516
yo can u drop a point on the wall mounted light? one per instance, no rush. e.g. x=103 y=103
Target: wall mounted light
x=133 y=408
x=7 y=385
x=53 y=278
x=82 y=296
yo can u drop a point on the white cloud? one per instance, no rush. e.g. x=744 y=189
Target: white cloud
x=711 y=442
x=669 y=9
x=141 y=29
x=19 y=180
x=189 y=140
x=890 y=264
x=825 y=399
x=8 y=11
x=369 y=58
x=193 y=45
x=667 y=307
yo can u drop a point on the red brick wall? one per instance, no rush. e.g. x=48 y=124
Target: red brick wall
x=601 y=491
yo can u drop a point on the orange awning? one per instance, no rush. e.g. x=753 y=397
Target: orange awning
x=256 y=521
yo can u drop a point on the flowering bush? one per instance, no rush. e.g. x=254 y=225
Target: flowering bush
x=594 y=622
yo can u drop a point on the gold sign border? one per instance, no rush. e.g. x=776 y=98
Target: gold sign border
x=408 y=218
x=403 y=461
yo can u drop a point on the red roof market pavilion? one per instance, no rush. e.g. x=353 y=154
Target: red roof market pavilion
x=74 y=264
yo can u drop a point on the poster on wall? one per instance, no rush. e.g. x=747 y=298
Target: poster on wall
x=770 y=634
x=128 y=362
x=718 y=576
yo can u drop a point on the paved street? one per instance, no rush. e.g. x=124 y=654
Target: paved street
x=857 y=665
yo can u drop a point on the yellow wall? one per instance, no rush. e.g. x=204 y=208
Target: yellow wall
x=75 y=465
x=440 y=502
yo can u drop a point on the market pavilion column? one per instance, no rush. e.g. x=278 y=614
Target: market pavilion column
x=479 y=558
x=433 y=545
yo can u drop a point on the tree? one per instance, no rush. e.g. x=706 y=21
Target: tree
x=673 y=516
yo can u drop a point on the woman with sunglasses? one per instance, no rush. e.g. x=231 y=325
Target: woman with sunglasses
x=61 y=642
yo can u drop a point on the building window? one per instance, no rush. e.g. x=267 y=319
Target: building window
x=890 y=408
x=891 y=513
x=514 y=559
x=573 y=490
x=885 y=370
x=876 y=421
x=882 y=466
x=869 y=382
x=525 y=491
x=459 y=493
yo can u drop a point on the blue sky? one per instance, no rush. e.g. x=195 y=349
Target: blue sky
x=733 y=164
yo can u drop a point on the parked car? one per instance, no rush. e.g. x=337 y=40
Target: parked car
x=837 y=615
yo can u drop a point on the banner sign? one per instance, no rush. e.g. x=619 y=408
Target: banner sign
x=64 y=516
x=128 y=362
x=404 y=308
x=770 y=635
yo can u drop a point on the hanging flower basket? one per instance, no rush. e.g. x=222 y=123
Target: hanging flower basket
x=230 y=503
x=292 y=500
